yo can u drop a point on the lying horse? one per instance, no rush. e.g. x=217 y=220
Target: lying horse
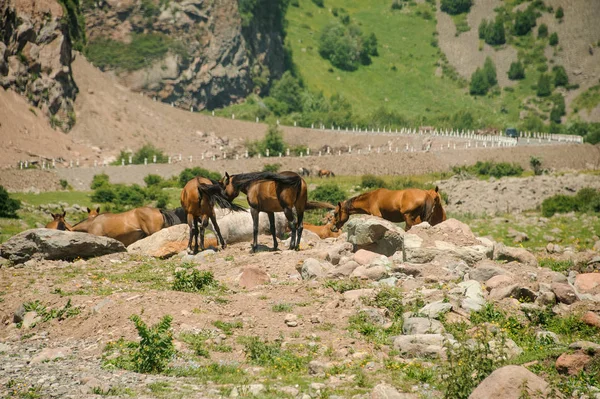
x=270 y=193
x=326 y=173
x=58 y=222
x=85 y=224
x=198 y=199
x=412 y=206
x=324 y=231
x=131 y=226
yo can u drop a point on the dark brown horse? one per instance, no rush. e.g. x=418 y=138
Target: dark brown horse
x=411 y=206
x=58 y=222
x=131 y=226
x=326 y=173
x=270 y=193
x=198 y=199
x=85 y=224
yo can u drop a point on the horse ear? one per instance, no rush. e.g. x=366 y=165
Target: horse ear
x=227 y=175
x=98 y=209
x=436 y=189
x=88 y=210
x=340 y=205
x=64 y=213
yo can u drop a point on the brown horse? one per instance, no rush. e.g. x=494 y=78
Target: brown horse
x=131 y=226
x=85 y=224
x=198 y=199
x=324 y=231
x=326 y=173
x=58 y=222
x=270 y=193
x=411 y=206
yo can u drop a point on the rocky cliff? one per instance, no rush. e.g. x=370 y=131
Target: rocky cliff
x=217 y=52
x=35 y=57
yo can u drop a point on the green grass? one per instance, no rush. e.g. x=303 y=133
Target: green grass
x=54 y=197
x=460 y=20
x=587 y=100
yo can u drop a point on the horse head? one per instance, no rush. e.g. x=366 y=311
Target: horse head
x=437 y=214
x=226 y=183
x=340 y=216
x=92 y=213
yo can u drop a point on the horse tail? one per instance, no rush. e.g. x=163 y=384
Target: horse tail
x=427 y=208
x=318 y=205
x=216 y=194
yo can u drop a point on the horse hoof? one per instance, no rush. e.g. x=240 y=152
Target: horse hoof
x=223 y=246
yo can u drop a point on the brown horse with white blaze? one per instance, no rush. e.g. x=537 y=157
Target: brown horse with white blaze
x=59 y=222
x=198 y=199
x=273 y=192
x=411 y=206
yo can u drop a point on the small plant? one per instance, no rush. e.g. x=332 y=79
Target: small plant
x=516 y=71
x=536 y=165
x=271 y=167
x=342 y=286
x=227 y=327
x=193 y=280
x=8 y=206
x=156 y=345
x=553 y=40
x=560 y=13
x=371 y=182
x=64 y=184
x=282 y=307
x=46 y=314
x=329 y=192
x=396 y=5
x=273 y=355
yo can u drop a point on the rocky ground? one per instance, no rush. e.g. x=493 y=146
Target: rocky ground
x=338 y=319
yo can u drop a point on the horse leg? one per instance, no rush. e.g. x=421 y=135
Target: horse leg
x=190 y=221
x=203 y=224
x=254 y=213
x=289 y=214
x=300 y=227
x=410 y=221
x=272 y=228
x=213 y=219
x=195 y=235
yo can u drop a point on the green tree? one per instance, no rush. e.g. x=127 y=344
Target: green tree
x=479 y=83
x=99 y=181
x=273 y=141
x=560 y=13
x=153 y=180
x=516 y=71
x=495 y=33
x=147 y=152
x=483 y=28
x=544 y=86
x=8 y=206
x=454 y=7
x=553 y=40
x=560 y=76
x=543 y=31
x=490 y=72
x=524 y=21
x=559 y=108
x=287 y=91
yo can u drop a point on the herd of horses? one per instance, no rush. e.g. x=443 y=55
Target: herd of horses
x=320 y=172
x=265 y=192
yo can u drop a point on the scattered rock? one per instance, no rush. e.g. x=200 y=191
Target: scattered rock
x=252 y=276
x=473 y=293
x=502 y=252
x=586 y=346
x=591 y=319
x=318 y=367
x=30 y=319
x=522 y=294
x=564 y=293
x=573 y=363
x=511 y=382
x=364 y=257
x=385 y=391
x=422 y=345
x=343 y=270
x=57 y=244
x=50 y=354
x=19 y=314
x=545 y=299
x=422 y=325
x=311 y=269
x=498 y=281
x=168 y=242
x=355 y=295
x=336 y=252
x=375 y=234
x=435 y=309
x=485 y=270
x=374 y=273
x=291 y=320
x=588 y=283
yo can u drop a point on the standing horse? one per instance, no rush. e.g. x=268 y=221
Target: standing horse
x=273 y=192
x=411 y=206
x=58 y=222
x=304 y=172
x=85 y=224
x=133 y=225
x=326 y=173
x=198 y=199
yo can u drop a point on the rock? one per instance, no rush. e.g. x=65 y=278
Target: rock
x=485 y=270
x=502 y=252
x=409 y=270
x=422 y=325
x=416 y=250
x=375 y=234
x=546 y=299
x=318 y=367
x=435 y=309
x=343 y=270
x=256 y=389
x=596 y=246
x=238 y=226
x=289 y=391
x=572 y=364
x=473 y=293
x=364 y=257
x=168 y=242
x=374 y=315
x=547 y=336
x=510 y=382
x=102 y=304
x=19 y=314
x=311 y=269
x=510 y=350
x=385 y=391
x=30 y=319
x=564 y=293
x=422 y=345
x=355 y=295
x=498 y=281
x=252 y=276
x=291 y=320
x=588 y=283
x=374 y=273
x=591 y=319
x=50 y=354
x=522 y=294
x=452 y=226
x=586 y=346
x=336 y=252
x=57 y=245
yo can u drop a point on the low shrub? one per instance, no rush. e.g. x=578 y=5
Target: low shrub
x=489 y=168
x=155 y=349
x=372 y=182
x=193 y=280
x=271 y=167
x=586 y=200
x=328 y=192
x=8 y=206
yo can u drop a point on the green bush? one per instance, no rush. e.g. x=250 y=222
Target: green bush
x=559 y=108
x=371 y=182
x=454 y=7
x=524 y=21
x=553 y=40
x=543 y=31
x=287 y=91
x=271 y=167
x=345 y=46
x=64 y=184
x=516 y=71
x=142 y=50
x=193 y=280
x=123 y=196
x=490 y=72
x=328 y=192
x=273 y=355
x=544 y=86
x=489 y=168
x=148 y=151
x=319 y=3
x=189 y=173
x=493 y=33
x=479 y=84
x=155 y=350
x=8 y=206
x=560 y=13
x=99 y=181
x=558 y=204
x=273 y=141
x=560 y=76
x=153 y=180
x=536 y=165
x=396 y=5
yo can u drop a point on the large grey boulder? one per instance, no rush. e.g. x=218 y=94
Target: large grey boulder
x=238 y=226
x=502 y=252
x=422 y=345
x=57 y=245
x=375 y=234
x=485 y=270
x=417 y=250
x=422 y=325
x=511 y=382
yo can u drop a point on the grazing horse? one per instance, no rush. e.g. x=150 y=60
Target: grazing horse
x=270 y=193
x=304 y=172
x=326 y=173
x=324 y=231
x=85 y=224
x=133 y=225
x=411 y=206
x=198 y=199
x=58 y=222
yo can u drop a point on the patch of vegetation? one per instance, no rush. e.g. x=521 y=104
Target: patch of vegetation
x=524 y=21
x=557 y=265
x=483 y=79
x=74 y=19
x=590 y=131
x=193 y=280
x=553 y=40
x=144 y=154
x=461 y=23
x=328 y=192
x=272 y=355
x=143 y=49
x=536 y=165
x=282 y=307
x=344 y=285
x=46 y=314
x=271 y=167
x=346 y=47
x=8 y=206
x=189 y=173
x=121 y=196
x=588 y=99
x=371 y=182
x=560 y=76
x=493 y=33
x=228 y=327
x=21 y=389
x=454 y=7
x=389 y=299
x=273 y=142
x=586 y=200
x=516 y=71
x=489 y=168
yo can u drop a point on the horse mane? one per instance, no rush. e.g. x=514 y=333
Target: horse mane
x=216 y=193
x=173 y=217
x=350 y=201
x=244 y=180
